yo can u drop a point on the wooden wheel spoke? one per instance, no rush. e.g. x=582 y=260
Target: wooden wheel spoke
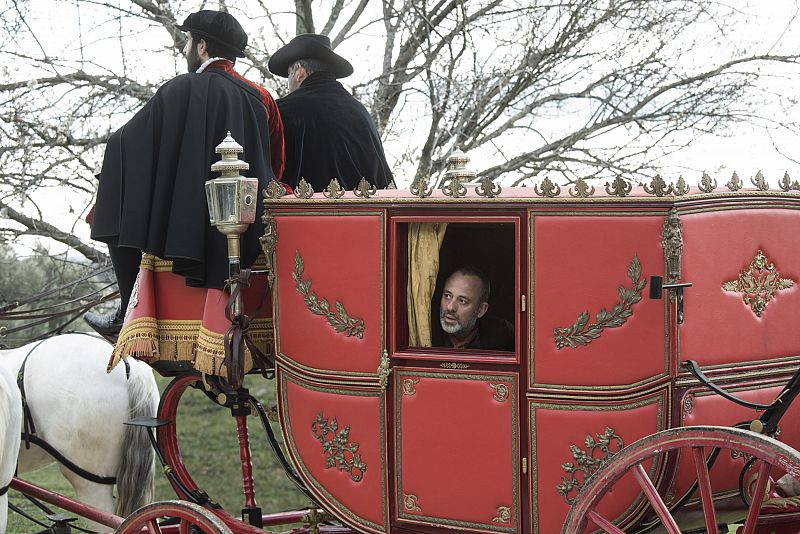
x=757 y=498
x=152 y=527
x=604 y=523
x=654 y=499
x=185 y=527
x=704 y=485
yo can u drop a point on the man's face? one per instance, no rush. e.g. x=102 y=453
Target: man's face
x=193 y=60
x=460 y=307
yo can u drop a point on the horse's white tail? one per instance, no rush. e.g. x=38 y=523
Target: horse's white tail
x=135 y=474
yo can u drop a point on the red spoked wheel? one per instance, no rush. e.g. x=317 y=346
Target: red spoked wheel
x=181 y=517
x=697 y=442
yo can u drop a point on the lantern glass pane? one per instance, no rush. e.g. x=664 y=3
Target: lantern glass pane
x=226 y=202
x=210 y=201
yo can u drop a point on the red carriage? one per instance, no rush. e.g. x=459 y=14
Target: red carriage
x=596 y=419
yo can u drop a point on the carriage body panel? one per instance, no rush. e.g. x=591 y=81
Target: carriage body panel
x=596 y=360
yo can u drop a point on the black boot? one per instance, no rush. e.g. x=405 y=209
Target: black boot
x=108 y=326
x=126 y=266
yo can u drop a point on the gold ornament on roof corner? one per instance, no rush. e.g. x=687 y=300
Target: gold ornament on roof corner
x=785 y=183
x=707 y=184
x=795 y=185
x=364 y=189
x=619 y=187
x=457 y=173
x=758 y=283
x=582 y=189
x=547 y=188
x=420 y=187
x=274 y=190
x=487 y=188
x=658 y=187
x=735 y=183
x=760 y=182
x=334 y=190
x=303 y=189
x=681 y=187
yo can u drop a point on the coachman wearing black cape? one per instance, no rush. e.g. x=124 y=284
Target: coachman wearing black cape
x=328 y=133
x=151 y=195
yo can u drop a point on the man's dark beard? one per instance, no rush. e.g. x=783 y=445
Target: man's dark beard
x=193 y=60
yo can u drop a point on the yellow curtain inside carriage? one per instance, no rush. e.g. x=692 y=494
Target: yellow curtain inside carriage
x=169 y=321
x=424 y=243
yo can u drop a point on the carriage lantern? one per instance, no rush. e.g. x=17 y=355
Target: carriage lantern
x=231 y=198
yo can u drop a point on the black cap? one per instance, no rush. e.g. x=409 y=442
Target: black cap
x=220 y=26
x=309 y=46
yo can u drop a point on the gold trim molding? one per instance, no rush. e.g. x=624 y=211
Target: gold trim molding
x=454 y=365
x=410 y=386
x=503 y=515
x=501 y=392
x=338 y=451
x=411 y=503
x=582 y=333
x=758 y=283
x=587 y=462
x=688 y=404
x=339 y=320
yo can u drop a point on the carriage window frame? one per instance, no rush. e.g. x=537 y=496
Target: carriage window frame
x=398 y=323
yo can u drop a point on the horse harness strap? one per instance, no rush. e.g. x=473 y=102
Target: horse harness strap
x=29 y=431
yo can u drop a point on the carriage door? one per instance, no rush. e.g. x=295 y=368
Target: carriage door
x=329 y=322
x=740 y=315
x=598 y=368
x=456 y=442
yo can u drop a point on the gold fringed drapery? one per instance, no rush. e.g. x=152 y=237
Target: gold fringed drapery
x=424 y=242
x=169 y=321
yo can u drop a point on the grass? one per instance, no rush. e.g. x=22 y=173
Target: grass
x=210 y=450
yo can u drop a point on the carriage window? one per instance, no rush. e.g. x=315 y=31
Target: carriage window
x=461 y=285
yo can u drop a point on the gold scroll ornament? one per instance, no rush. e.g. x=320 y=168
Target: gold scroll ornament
x=339 y=452
x=582 y=332
x=339 y=320
x=597 y=452
x=758 y=283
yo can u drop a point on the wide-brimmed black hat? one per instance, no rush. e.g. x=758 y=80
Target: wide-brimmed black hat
x=309 y=46
x=217 y=25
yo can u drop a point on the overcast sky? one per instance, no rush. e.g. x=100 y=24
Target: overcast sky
x=64 y=30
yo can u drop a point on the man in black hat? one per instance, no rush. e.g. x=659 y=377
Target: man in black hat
x=151 y=195
x=328 y=133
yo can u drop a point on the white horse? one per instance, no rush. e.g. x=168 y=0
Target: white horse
x=79 y=409
x=10 y=421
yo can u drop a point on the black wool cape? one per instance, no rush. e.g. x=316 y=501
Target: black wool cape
x=151 y=194
x=329 y=134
